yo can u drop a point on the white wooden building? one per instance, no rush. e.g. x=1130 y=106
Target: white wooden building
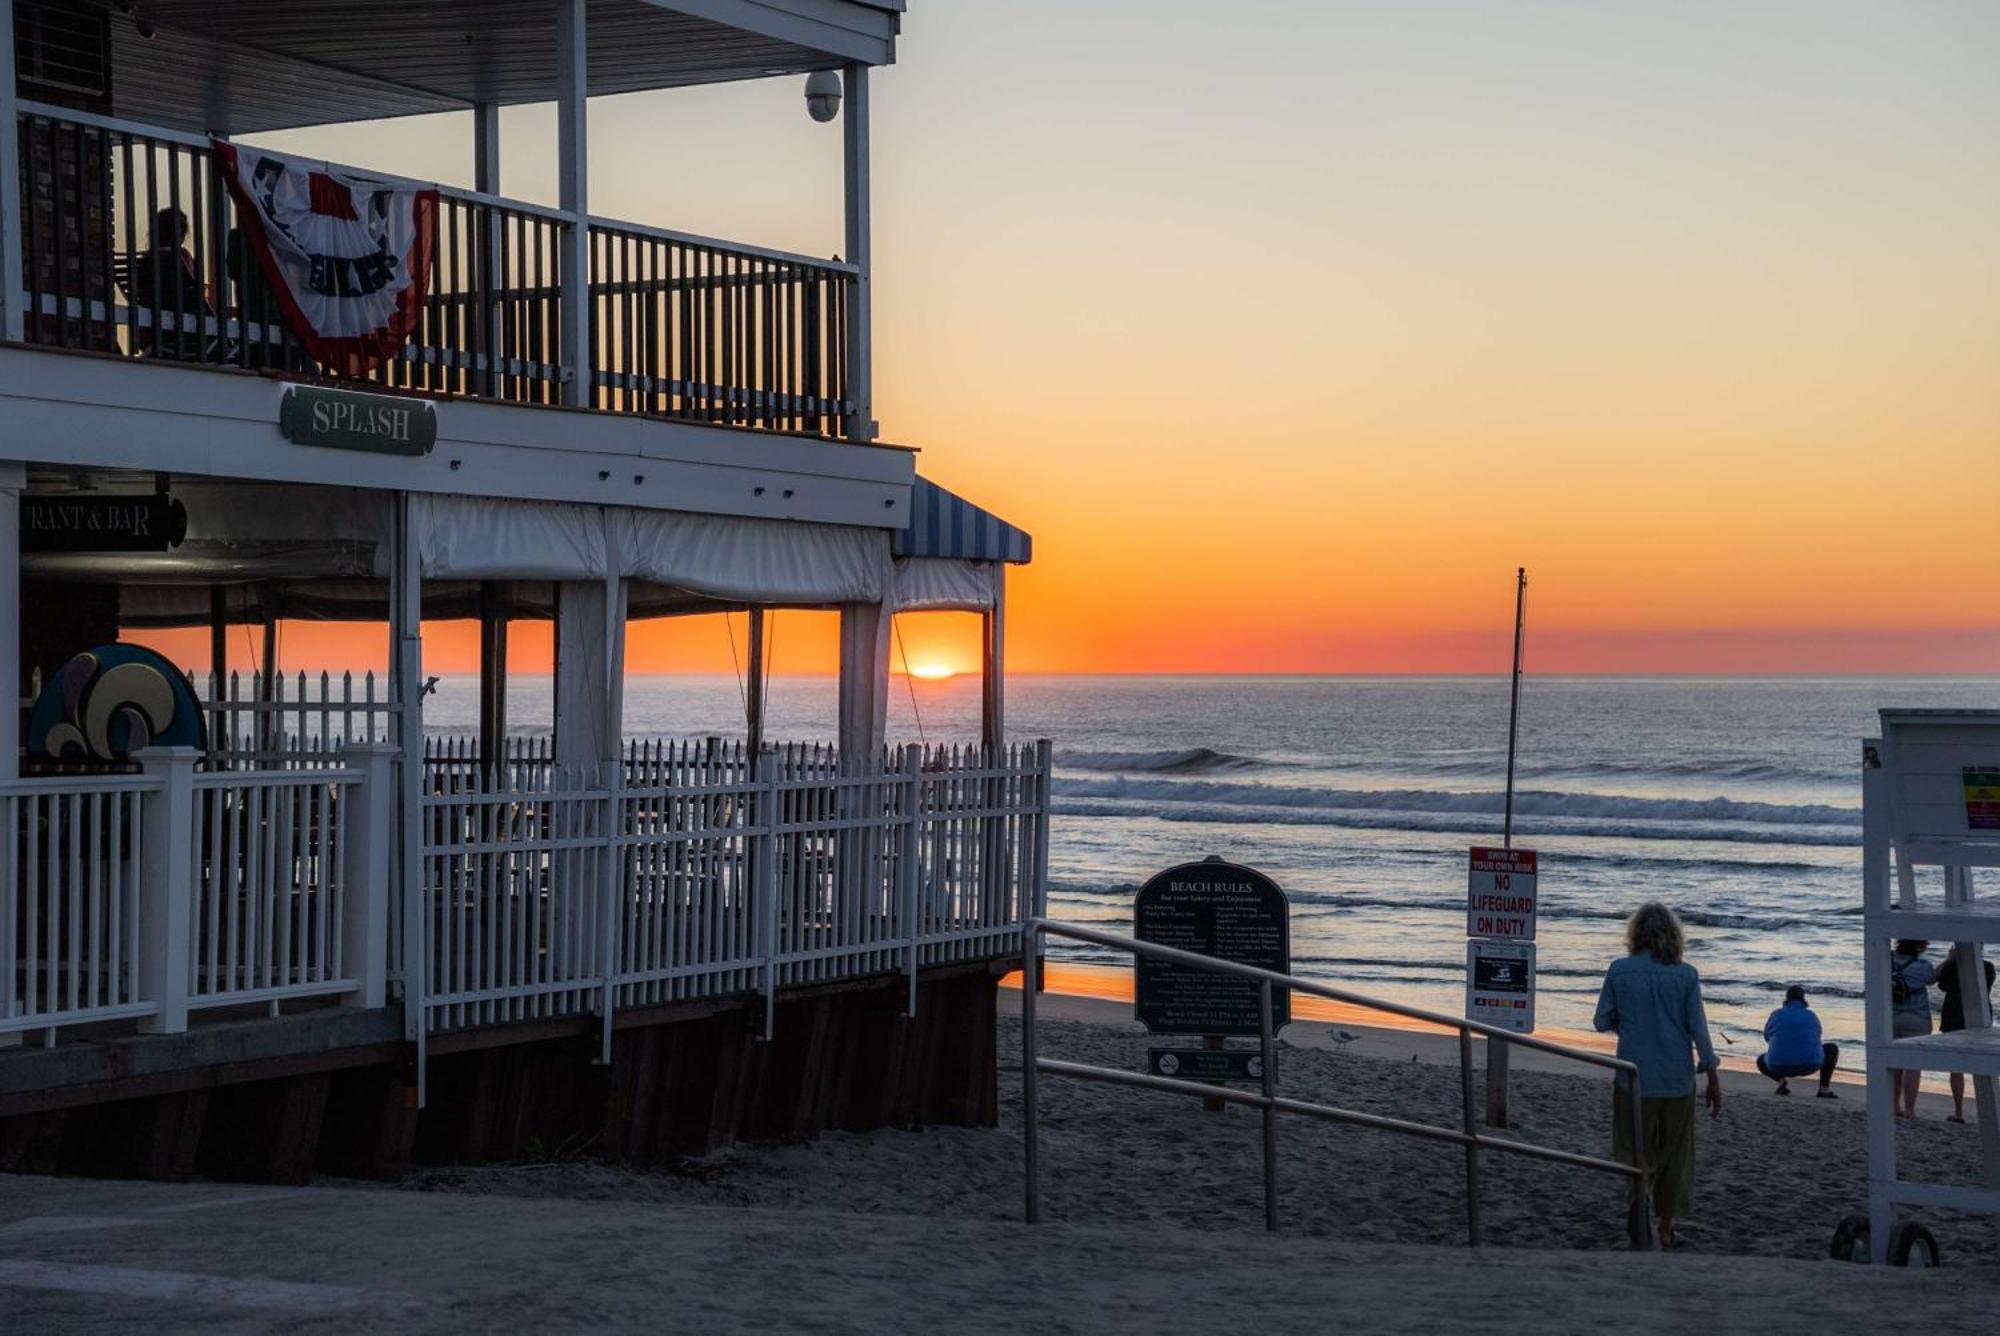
x=597 y=421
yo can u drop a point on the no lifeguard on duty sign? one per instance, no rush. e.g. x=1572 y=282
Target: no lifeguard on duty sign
x=1500 y=894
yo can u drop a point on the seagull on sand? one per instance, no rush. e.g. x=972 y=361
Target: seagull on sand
x=1342 y=1038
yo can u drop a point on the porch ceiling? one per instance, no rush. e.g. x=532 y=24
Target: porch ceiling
x=244 y=66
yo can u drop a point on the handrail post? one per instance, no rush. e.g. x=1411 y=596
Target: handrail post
x=1270 y=1082
x=367 y=815
x=1640 y=1226
x=1031 y=932
x=166 y=835
x=1472 y=1131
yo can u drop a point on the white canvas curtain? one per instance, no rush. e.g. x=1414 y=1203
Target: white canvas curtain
x=944 y=584
x=712 y=556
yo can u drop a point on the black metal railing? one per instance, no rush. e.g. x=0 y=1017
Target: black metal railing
x=690 y=328
x=131 y=245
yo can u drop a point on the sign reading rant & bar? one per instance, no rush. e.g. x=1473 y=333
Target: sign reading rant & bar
x=1500 y=894
x=1211 y=908
x=344 y=420
x=73 y=523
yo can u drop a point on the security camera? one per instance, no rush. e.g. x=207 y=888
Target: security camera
x=823 y=95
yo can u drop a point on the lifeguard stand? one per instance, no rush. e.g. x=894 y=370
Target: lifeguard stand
x=1930 y=799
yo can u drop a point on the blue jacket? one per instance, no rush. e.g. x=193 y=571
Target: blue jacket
x=1656 y=1010
x=1793 y=1036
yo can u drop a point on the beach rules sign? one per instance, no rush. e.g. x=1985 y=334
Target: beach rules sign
x=1500 y=894
x=1211 y=908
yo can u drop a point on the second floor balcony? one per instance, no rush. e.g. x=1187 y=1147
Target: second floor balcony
x=128 y=243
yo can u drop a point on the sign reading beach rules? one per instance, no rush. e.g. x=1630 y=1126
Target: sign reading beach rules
x=1500 y=894
x=1211 y=908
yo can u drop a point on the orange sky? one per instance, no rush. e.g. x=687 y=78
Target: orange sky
x=1291 y=329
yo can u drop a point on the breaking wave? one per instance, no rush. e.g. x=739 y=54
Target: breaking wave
x=1184 y=761
x=1545 y=811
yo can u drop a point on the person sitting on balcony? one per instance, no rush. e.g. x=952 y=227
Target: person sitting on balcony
x=166 y=283
x=1793 y=1035
x=267 y=341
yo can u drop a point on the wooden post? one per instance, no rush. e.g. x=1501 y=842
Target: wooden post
x=753 y=709
x=1498 y=1051
x=218 y=636
x=493 y=600
x=1215 y=1043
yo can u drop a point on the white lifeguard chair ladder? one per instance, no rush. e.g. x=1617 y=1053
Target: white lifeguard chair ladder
x=1926 y=804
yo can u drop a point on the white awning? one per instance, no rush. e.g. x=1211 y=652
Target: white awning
x=943 y=584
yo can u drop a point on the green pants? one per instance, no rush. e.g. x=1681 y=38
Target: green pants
x=1668 y=1127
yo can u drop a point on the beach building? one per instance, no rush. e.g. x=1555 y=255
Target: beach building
x=251 y=926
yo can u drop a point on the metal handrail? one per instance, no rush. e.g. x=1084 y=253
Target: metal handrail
x=1035 y=930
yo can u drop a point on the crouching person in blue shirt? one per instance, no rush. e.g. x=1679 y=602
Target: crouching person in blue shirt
x=1792 y=1037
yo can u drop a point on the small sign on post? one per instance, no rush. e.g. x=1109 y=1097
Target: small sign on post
x=1206 y=1064
x=1500 y=984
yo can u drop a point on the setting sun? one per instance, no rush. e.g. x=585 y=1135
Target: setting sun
x=932 y=672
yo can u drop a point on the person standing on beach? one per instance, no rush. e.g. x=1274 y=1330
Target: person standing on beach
x=1794 y=1047
x=1910 y=980
x=1951 y=1016
x=1652 y=999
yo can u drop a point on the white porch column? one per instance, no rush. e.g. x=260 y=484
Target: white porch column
x=13 y=478
x=486 y=180
x=993 y=664
x=572 y=149
x=860 y=425
x=13 y=323
x=590 y=665
x=864 y=682
x=406 y=663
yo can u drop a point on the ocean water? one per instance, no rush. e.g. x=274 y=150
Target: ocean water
x=1736 y=801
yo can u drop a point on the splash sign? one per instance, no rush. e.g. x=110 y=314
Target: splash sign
x=1500 y=894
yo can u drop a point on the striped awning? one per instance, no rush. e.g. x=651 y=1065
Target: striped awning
x=944 y=524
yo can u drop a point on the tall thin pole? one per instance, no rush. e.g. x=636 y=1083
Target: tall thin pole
x=1514 y=709
x=1497 y=1050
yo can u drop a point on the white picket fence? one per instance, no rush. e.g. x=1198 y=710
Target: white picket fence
x=177 y=889
x=74 y=906
x=687 y=870
x=260 y=721
x=699 y=871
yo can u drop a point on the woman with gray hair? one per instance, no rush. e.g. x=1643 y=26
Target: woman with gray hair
x=1652 y=998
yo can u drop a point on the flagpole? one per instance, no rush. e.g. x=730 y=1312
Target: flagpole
x=1514 y=708
x=1498 y=1050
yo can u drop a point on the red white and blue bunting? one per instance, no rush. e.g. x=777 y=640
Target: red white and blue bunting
x=349 y=259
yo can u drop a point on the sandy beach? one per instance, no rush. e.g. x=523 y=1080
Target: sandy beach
x=1775 y=1176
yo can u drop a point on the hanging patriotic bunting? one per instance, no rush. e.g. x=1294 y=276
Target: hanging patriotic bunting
x=348 y=259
